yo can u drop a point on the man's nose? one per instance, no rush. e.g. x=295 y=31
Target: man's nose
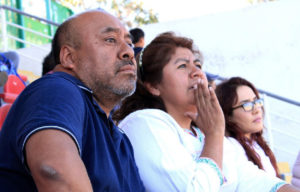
x=126 y=52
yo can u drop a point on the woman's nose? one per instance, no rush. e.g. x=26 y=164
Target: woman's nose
x=195 y=72
x=256 y=109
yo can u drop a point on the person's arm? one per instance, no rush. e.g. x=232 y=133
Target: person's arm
x=288 y=188
x=53 y=159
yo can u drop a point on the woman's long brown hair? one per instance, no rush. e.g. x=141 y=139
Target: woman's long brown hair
x=227 y=95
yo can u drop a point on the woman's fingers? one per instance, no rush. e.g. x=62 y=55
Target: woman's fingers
x=210 y=117
x=203 y=93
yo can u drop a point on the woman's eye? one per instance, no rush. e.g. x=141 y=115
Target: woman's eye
x=199 y=66
x=181 y=66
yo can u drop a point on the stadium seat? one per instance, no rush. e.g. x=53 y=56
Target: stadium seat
x=284 y=171
x=3 y=112
x=13 y=87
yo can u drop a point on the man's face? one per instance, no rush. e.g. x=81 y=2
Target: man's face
x=105 y=60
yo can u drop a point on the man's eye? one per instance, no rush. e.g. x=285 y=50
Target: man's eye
x=110 y=40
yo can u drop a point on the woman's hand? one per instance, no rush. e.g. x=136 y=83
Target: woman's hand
x=209 y=117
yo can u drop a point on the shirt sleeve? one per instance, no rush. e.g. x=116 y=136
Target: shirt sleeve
x=242 y=175
x=52 y=104
x=164 y=163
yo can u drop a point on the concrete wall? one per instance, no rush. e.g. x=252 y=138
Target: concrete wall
x=261 y=43
x=31 y=58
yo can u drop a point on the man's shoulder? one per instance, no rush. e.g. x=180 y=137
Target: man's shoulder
x=57 y=81
x=61 y=89
x=60 y=78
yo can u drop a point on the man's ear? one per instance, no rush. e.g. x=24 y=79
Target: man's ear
x=67 y=57
x=152 y=89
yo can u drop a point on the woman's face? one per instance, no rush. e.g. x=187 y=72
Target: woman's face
x=249 y=121
x=179 y=77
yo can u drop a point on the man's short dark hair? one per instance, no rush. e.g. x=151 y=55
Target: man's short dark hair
x=136 y=34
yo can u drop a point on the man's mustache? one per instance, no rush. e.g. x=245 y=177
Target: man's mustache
x=123 y=63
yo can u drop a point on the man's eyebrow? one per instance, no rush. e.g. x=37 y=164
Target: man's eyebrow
x=115 y=30
x=110 y=29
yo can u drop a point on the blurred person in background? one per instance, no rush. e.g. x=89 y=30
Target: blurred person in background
x=138 y=39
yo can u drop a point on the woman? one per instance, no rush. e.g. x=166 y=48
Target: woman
x=243 y=111
x=171 y=152
x=166 y=90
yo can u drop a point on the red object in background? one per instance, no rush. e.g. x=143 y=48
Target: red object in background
x=13 y=87
x=3 y=112
x=23 y=77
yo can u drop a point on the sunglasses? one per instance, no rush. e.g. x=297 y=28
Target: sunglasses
x=249 y=106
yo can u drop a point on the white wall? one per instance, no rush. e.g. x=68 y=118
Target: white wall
x=260 y=43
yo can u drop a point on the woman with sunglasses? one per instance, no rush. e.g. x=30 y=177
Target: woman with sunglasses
x=243 y=111
x=176 y=126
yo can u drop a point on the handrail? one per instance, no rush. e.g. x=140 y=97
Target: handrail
x=279 y=97
x=290 y=101
x=29 y=30
x=28 y=15
x=22 y=41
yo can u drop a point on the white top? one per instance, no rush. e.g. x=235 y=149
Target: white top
x=265 y=160
x=168 y=158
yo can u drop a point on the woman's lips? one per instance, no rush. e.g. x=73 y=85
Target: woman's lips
x=257 y=120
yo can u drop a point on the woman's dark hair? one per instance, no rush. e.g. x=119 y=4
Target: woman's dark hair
x=227 y=96
x=151 y=62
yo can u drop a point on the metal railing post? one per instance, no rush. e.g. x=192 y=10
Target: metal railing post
x=4 y=29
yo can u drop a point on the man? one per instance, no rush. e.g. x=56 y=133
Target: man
x=58 y=135
x=138 y=39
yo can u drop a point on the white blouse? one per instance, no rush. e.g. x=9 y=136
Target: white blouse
x=265 y=160
x=168 y=158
